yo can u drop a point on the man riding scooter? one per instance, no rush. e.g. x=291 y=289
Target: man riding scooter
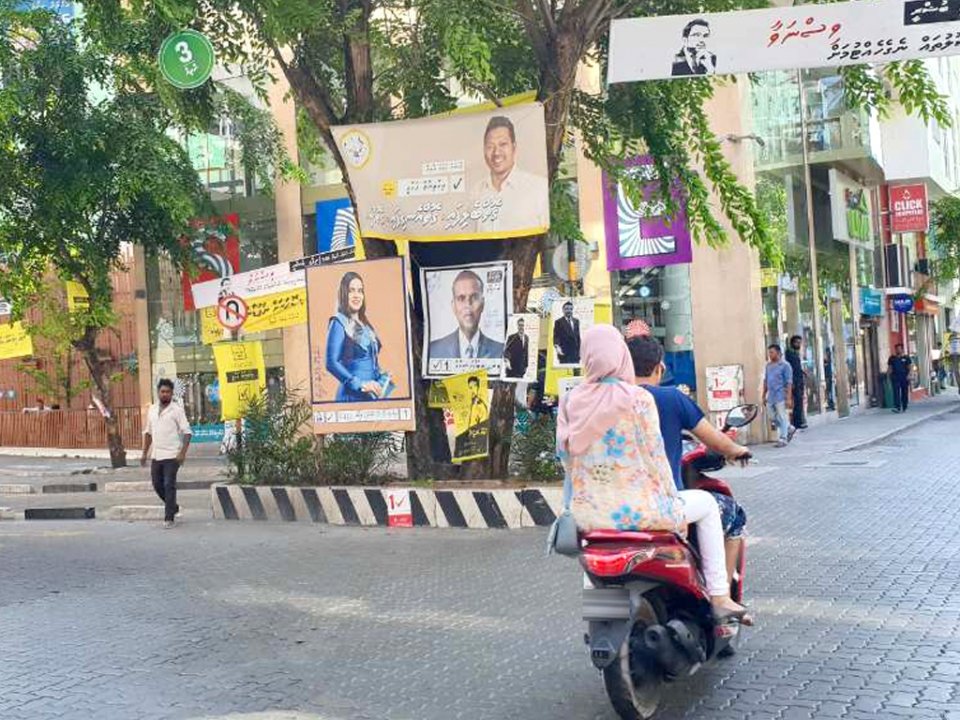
x=678 y=413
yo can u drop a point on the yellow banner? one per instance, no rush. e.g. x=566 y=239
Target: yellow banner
x=14 y=341
x=769 y=277
x=242 y=375
x=468 y=397
x=268 y=312
x=551 y=381
x=77 y=296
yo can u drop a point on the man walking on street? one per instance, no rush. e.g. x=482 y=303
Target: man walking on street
x=778 y=393
x=796 y=363
x=899 y=365
x=168 y=433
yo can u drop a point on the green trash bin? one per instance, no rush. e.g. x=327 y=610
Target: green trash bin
x=887 y=390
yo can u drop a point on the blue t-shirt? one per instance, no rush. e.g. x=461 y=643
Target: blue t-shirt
x=779 y=375
x=677 y=413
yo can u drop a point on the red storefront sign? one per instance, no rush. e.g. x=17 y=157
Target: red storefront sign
x=908 y=208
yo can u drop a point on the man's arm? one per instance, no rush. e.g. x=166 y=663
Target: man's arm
x=718 y=442
x=147 y=442
x=186 y=435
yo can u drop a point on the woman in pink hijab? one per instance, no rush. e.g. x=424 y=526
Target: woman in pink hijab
x=608 y=436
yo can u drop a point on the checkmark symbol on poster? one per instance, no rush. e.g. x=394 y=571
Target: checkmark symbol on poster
x=456 y=183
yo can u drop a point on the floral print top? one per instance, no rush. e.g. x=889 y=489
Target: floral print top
x=624 y=481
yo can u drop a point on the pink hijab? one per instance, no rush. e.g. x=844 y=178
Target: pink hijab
x=595 y=406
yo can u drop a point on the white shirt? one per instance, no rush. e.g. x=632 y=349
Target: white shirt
x=525 y=202
x=165 y=428
x=464 y=344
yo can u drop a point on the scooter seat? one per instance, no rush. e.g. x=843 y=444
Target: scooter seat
x=609 y=536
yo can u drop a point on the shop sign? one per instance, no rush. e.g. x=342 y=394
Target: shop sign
x=207 y=433
x=781 y=38
x=902 y=303
x=851 y=210
x=871 y=302
x=642 y=235
x=909 y=211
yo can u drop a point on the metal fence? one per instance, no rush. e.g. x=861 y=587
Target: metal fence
x=68 y=429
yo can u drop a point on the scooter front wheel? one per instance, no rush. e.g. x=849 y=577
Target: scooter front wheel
x=634 y=682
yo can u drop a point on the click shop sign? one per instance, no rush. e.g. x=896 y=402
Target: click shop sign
x=909 y=211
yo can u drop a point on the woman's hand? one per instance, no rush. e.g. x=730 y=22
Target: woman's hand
x=372 y=387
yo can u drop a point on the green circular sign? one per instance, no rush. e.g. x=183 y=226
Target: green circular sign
x=186 y=59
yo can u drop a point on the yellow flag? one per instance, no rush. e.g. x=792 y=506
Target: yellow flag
x=14 y=341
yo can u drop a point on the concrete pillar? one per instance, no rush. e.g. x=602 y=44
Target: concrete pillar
x=725 y=283
x=296 y=352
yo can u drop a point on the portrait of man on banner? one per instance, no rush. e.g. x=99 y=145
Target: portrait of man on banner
x=522 y=199
x=465 y=317
x=477 y=175
x=216 y=248
x=361 y=374
x=521 y=349
x=469 y=401
x=571 y=318
x=694 y=57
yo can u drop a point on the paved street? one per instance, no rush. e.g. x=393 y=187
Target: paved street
x=854 y=573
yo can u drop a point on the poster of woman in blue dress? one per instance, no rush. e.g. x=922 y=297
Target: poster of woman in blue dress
x=353 y=347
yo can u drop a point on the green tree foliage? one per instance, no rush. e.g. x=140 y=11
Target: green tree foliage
x=945 y=233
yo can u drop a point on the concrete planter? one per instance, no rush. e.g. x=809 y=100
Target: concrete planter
x=435 y=507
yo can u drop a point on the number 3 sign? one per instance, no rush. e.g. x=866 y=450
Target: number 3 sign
x=186 y=59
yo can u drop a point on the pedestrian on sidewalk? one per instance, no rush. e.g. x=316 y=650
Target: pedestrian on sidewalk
x=793 y=357
x=899 y=366
x=778 y=393
x=168 y=434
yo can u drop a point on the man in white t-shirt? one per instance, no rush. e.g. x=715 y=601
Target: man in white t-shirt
x=523 y=199
x=168 y=434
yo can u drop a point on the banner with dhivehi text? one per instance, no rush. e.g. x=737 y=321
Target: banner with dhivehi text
x=782 y=38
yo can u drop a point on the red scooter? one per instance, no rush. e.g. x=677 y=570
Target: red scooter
x=650 y=618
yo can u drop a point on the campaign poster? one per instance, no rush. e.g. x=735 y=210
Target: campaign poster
x=781 y=38
x=643 y=234
x=469 y=400
x=465 y=311
x=15 y=341
x=263 y=299
x=462 y=176
x=77 y=296
x=216 y=248
x=242 y=375
x=336 y=225
x=521 y=348
x=361 y=371
x=570 y=318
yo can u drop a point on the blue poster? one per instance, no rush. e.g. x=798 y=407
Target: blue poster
x=336 y=225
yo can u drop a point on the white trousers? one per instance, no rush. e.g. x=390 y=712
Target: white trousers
x=700 y=507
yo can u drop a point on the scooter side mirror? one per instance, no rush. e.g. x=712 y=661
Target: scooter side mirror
x=742 y=415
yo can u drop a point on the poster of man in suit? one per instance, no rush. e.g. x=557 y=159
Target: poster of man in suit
x=521 y=348
x=571 y=317
x=465 y=317
x=694 y=57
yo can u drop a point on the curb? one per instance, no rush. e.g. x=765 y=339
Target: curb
x=54 y=488
x=17 y=489
x=899 y=429
x=146 y=486
x=135 y=513
x=358 y=506
x=66 y=513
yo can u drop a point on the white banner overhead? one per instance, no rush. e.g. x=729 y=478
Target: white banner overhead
x=805 y=36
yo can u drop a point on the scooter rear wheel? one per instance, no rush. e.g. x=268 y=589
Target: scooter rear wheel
x=634 y=682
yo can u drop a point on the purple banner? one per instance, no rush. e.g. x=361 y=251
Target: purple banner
x=643 y=237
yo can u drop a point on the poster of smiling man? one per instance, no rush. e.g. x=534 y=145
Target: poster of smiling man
x=465 y=312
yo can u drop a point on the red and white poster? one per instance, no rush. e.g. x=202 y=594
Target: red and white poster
x=399 y=511
x=909 y=211
x=216 y=247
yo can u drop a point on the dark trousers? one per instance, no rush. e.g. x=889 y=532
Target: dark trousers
x=798 y=420
x=901 y=393
x=164 y=476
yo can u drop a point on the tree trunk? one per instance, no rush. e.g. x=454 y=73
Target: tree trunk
x=87 y=346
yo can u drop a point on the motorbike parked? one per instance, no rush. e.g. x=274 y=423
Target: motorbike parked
x=649 y=616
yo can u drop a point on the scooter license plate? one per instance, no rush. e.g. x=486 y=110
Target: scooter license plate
x=606 y=604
